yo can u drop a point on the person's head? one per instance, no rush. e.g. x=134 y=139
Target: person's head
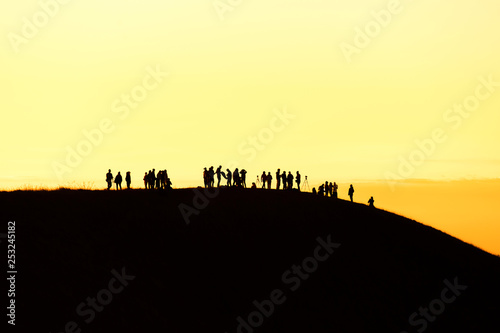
x=269 y=173
x=109 y=170
x=278 y=170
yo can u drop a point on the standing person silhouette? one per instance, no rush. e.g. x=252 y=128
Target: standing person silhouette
x=371 y=201
x=269 y=179
x=109 y=179
x=278 y=178
x=283 y=180
x=152 y=179
x=128 y=179
x=290 y=180
x=218 y=172
x=351 y=192
x=297 y=180
x=263 y=179
x=236 y=177
x=335 y=188
x=229 y=176
x=145 y=180
x=211 y=174
x=243 y=174
x=205 y=177
x=118 y=181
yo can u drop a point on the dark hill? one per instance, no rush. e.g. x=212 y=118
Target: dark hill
x=241 y=248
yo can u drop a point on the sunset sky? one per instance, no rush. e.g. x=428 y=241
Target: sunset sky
x=342 y=90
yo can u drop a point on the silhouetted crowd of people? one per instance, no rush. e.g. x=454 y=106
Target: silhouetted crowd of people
x=157 y=181
x=118 y=180
x=328 y=189
x=151 y=180
x=233 y=178
x=236 y=178
x=283 y=180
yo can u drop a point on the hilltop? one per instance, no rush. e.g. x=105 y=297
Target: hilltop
x=247 y=261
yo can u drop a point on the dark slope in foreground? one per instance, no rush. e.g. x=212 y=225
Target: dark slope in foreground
x=201 y=277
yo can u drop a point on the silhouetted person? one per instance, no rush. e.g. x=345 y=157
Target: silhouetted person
x=236 y=177
x=335 y=188
x=351 y=192
x=290 y=180
x=211 y=176
x=278 y=178
x=269 y=179
x=165 y=179
x=263 y=179
x=297 y=180
x=158 y=180
x=283 y=180
x=371 y=201
x=128 y=179
x=118 y=180
x=330 y=189
x=326 y=188
x=152 y=179
x=218 y=172
x=169 y=184
x=253 y=185
x=145 y=180
x=109 y=179
x=321 y=190
x=205 y=177
x=314 y=190
x=229 y=177
x=243 y=174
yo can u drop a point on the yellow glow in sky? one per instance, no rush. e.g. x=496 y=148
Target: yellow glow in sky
x=347 y=90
